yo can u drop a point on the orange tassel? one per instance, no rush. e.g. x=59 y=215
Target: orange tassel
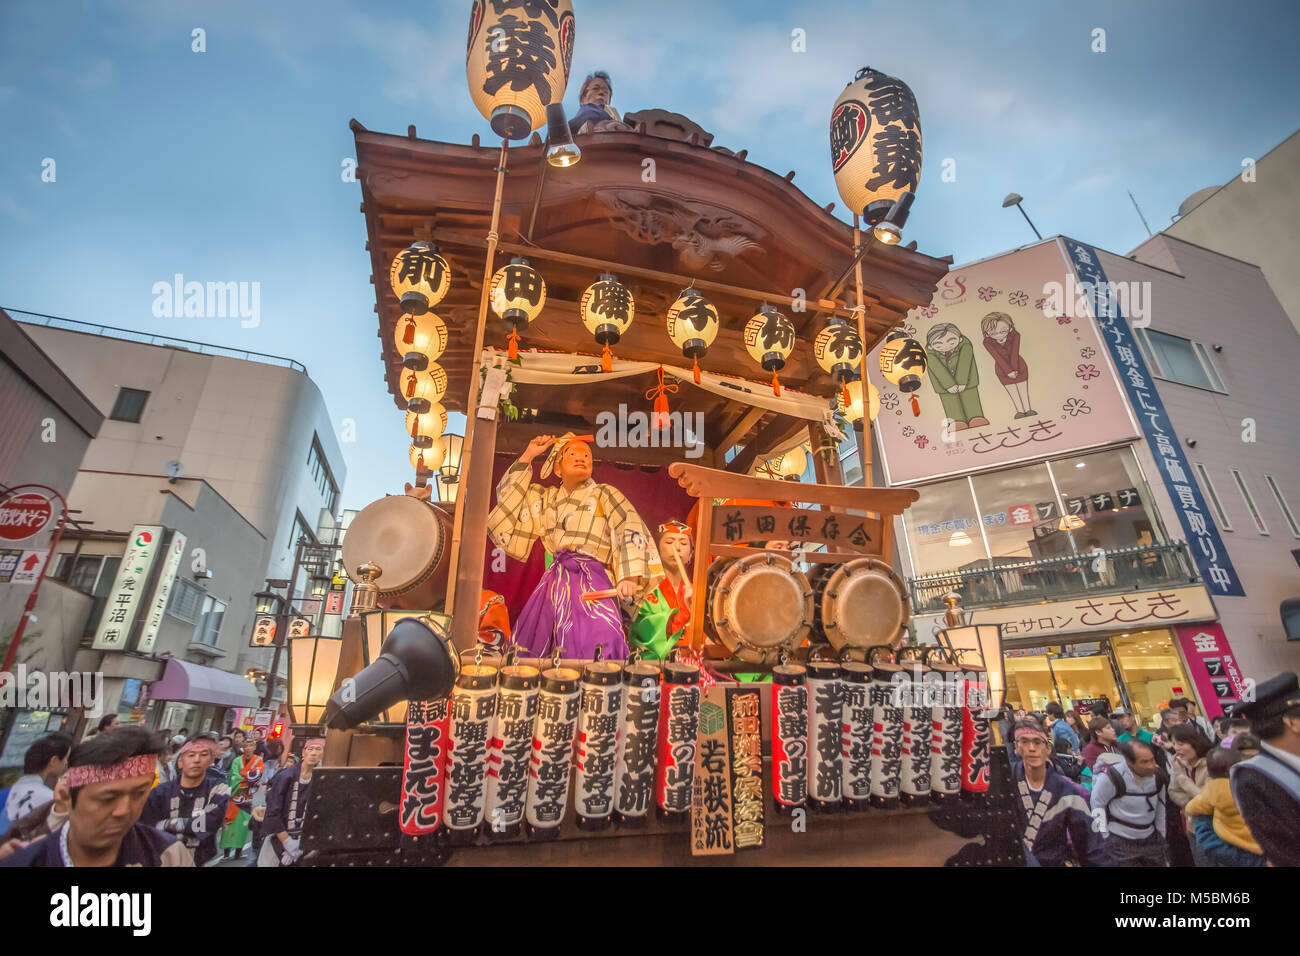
x=408 y=334
x=410 y=387
x=660 y=419
x=916 y=407
x=606 y=360
x=419 y=462
x=776 y=384
x=695 y=364
x=844 y=396
x=513 y=351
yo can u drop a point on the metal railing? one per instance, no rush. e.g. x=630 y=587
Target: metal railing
x=146 y=338
x=1027 y=582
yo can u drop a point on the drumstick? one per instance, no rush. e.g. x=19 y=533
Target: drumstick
x=681 y=568
x=600 y=595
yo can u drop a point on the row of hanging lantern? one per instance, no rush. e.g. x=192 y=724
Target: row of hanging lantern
x=420 y=279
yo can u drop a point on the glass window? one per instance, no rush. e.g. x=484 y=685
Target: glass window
x=1021 y=515
x=85 y=572
x=943 y=530
x=1152 y=671
x=1282 y=504
x=103 y=584
x=1106 y=490
x=129 y=405
x=1250 y=502
x=208 y=628
x=186 y=601
x=1181 y=360
x=1212 y=495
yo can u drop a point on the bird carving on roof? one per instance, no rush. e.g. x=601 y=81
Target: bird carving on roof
x=704 y=237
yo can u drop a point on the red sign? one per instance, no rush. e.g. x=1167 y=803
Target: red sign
x=1213 y=665
x=1021 y=514
x=22 y=516
x=334 y=602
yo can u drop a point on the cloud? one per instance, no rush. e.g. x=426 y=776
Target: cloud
x=98 y=74
x=11 y=207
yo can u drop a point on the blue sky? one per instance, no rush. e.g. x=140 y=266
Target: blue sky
x=225 y=165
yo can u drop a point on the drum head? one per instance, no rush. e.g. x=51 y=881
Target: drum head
x=864 y=605
x=761 y=603
x=406 y=537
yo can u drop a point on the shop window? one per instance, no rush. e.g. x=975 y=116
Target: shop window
x=129 y=406
x=1152 y=672
x=1247 y=497
x=1282 y=505
x=1179 y=360
x=1212 y=495
x=943 y=531
x=1020 y=515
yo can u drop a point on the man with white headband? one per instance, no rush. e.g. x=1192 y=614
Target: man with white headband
x=109 y=777
x=286 y=808
x=1055 y=822
x=192 y=805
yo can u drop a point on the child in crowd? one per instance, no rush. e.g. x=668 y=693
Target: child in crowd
x=1222 y=837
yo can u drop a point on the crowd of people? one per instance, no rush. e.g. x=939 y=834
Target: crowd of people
x=1098 y=789
x=129 y=796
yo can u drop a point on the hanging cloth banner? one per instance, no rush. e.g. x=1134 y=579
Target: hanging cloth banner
x=1205 y=543
x=565 y=368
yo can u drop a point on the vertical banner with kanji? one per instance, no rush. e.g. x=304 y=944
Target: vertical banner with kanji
x=1212 y=665
x=1203 y=539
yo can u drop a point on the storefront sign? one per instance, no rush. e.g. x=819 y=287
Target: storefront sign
x=162 y=590
x=1203 y=536
x=1101 y=613
x=334 y=602
x=24 y=515
x=739 y=525
x=1006 y=382
x=21 y=567
x=1083 y=705
x=1213 y=666
x=128 y=588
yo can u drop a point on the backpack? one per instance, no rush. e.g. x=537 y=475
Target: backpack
x=1121 y=789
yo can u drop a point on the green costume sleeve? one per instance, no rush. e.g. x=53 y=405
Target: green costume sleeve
x=967 y=373
x=649 y=628
x=939 y=375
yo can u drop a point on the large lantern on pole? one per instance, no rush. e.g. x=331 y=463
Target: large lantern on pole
x=419 y=339
x=876 y=147
x=518 y=294
x=607 y=310
x=423 y=389
x=424 y=427
x=518 y=60
x=903 y=362
x=693 y=325
x=769 y=337
x=420 y=277
x=838 y=350
x=428 y=459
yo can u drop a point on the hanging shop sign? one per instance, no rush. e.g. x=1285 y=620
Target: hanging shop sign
x=1109 y=612
x=727 y=805
x=162 y=590
x=1213 y=666
x=263 y=631
x=128 y=588
x=24 y=515
x=1006 y=382
x=334 y=602
x=1198 y=524
x=739 y=525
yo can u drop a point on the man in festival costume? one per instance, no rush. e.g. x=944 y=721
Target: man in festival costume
x=662 y=618
x=244 y=780
x=193 y=804
x=589 y=530
x=109 y=777
x=1056 y=823
x=43 y=763
x=286 y=806
x=1267 y=787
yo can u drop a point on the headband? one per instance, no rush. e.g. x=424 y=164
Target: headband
x=1022 y=732
x=136 y=766
x=557 y=449
x=675 y=526
x=312 y=741
x=200 y=742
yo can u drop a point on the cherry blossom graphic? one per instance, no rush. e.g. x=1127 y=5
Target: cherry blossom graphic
x=889 y=400
x=1076 y=406
x=987 y=292
x=1087 y=352
x=1086 y=372
x=930 y=311
x=1039 y=303
x=1018 y=298
x=909 y=328
x=921 y=441
x=1062 y=320
x=908 y=431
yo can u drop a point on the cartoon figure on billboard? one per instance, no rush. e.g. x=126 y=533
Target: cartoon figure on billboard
x=954 y=375
x=1003 y=342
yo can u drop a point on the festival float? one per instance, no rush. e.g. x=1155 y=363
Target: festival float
x=660 y=646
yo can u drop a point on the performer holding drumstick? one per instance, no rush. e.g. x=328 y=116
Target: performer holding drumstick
x=662 y=619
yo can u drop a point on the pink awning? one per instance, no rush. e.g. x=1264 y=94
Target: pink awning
x=196 y=684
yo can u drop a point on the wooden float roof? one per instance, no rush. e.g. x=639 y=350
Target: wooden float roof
x=741 y=232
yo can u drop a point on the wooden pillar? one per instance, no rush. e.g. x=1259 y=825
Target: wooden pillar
x=700 y=584
x=476 y=490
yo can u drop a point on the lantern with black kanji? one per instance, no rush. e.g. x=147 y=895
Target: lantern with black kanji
x=838 y=350
x=518 y=294
x=853 y=410
x=876 y=145
x=427 y=426
x=693 y=325
x=769 y=337
x=419 y=339
x=420 y=277
x=428 y=459
x=607 y=310
x=517 y=61
x=423 y=388
x=903 y=362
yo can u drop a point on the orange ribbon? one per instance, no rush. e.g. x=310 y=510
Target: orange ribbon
x=776 y=385
x=512 y=352
x=606 y=360
x=660 y=419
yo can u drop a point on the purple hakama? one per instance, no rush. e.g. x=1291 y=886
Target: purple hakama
x=556 y=614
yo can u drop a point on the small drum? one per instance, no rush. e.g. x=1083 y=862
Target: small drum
x=410 y=540
x=758 y=605
x=861 y=603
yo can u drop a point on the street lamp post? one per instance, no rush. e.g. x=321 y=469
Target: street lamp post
x=1015 y=199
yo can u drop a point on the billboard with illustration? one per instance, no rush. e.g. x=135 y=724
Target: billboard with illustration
x=1015 y=374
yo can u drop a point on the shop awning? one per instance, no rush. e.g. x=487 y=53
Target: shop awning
x=196 y=684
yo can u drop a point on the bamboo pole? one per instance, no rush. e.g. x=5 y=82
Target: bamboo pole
x=864 y=453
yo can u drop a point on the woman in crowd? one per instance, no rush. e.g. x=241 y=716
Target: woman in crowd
x=1188 y=774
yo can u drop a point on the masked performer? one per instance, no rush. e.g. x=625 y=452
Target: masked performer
x=594 y=537
x=245 y=777
x=663 y=616
x=193 y=804
x=286 y=807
